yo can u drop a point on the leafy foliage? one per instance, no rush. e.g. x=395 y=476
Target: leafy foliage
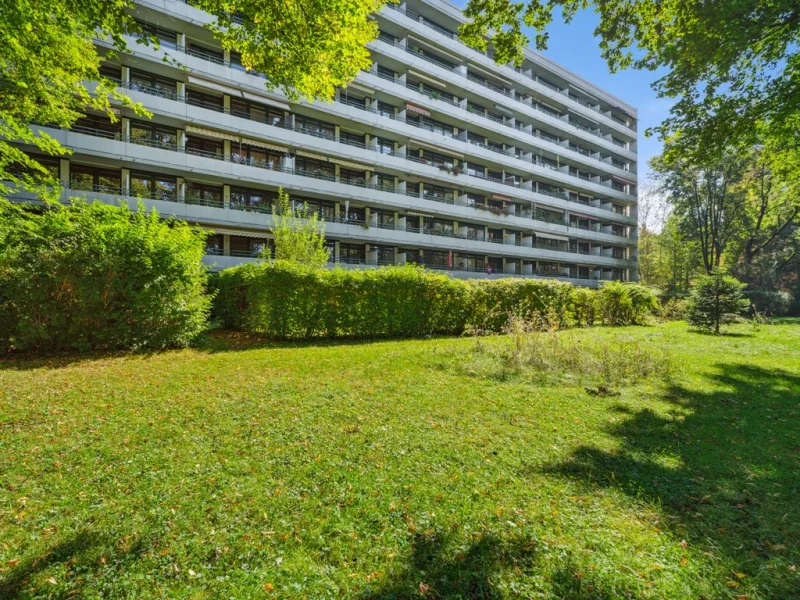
x=621 y=303
x=584 y=306
x=731 y=64
x=306 y=48
x=299 y=234
x=716 y=300
x=770 y=303
x=47 y=55
x=286 y=300
x=93 y=276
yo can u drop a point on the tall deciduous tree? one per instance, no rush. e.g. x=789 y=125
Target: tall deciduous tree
x=708 y=201
x=730 y=63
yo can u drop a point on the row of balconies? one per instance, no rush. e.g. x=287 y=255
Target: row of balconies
x=484 y=206
x=567 y=98
x=510 y=180
x=408 y=20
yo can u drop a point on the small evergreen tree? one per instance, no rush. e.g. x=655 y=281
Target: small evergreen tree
x=299 y=233
x=716 y=300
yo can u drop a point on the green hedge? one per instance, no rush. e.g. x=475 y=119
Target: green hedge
x=289 y=301
x=98 y=277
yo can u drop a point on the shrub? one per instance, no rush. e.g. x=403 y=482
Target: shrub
x=286 y=300
x=770 y=303
x=621 y=303
x=492 y=301
x=716 y=300
x=674 y=309
x=93 y=276
x=584 y=305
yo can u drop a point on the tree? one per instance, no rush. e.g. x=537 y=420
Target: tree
x=299 y=233
x=731 y=64
x=707 y=200
x=716 y=300
x=47 y=52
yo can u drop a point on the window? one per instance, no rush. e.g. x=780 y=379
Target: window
x=248 y=247
x=166 y=37
x=352 y=139
x=314 y=127
x=204 y=194
x=385 y=219
x=438 y=259
x=385 y=109
x=385 y=255
x=386 y=72
x=196 y=98
x=256 y=157
x=254 y=111
x=215 y=244
x=111 y=71
x=153 y=84
x=314 y=168
x=434 y=158
x=98 y=126
x=476 y=200
x=385 y=146
x=356 y=214
x=206 y=53
x=251 y=200
x=95 y=179
x=385 y=182
x=439 y=227
x=351 y=253
x=437 y=192
x=352 y=177
x=325 y=210
x=150 y=134
x=474 y=138
x=476 y=170
x=203 y=147
x=157 y=187
x=475 y=232
x=470 y=262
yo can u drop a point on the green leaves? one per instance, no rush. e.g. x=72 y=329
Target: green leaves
x=730 y=63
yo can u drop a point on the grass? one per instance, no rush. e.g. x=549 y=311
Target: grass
x=383 y=470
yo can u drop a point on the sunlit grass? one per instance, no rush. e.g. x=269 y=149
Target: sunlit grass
x=382 y=470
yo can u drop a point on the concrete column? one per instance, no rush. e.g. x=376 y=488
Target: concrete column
x=336 y=211
x=336 y=251
x=181 y=89
x=226 y=104
x=226 y=56
x=226 y=149
x=181 y=184
x=226 y=244
x=125 y=176
x=226 y=196
x=63 y=172
x=125 y=76
x=126 y=128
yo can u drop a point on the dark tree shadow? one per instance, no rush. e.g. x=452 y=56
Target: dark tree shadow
x=724 y=465
x=76 y=551
x=439 y=568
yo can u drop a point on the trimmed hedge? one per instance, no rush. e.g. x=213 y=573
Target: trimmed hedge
x=289 y=301
x=98 y=277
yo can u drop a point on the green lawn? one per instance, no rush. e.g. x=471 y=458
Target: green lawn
x=385 y=470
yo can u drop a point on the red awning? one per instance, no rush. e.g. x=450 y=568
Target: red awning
x=417 y=109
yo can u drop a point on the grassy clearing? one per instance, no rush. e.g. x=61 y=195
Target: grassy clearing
x=384 y=470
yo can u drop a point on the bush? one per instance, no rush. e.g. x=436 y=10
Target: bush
x=286 y=300
x=674 y=309
x=492 y=301
x=621 y=303
x=716 y=300
x=584 y=306
x=770 y=303
x=93 y=276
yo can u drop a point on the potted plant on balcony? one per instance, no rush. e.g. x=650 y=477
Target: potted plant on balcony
x=456 y=170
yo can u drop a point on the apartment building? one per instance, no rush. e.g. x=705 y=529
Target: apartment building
x=436 y=156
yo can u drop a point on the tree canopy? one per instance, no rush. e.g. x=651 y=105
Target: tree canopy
x=304 y=47
x=731 y=64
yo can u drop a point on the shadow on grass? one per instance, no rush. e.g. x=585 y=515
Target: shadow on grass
x=438 y=567
x=723 y=465
x=78 y=551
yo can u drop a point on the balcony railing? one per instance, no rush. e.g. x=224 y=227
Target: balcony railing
x=315 y=174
